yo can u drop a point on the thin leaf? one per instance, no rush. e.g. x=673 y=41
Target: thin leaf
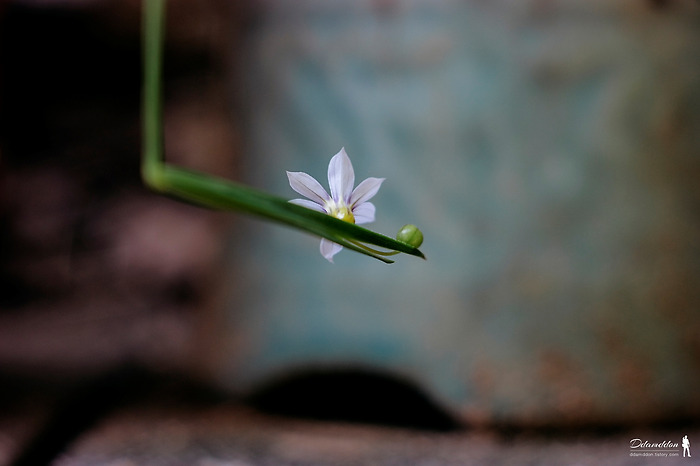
x=219 y=193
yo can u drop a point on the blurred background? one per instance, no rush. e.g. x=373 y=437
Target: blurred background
x=547 y=150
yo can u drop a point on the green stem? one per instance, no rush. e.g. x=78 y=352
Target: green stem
x=152 y=166
x=374 y=251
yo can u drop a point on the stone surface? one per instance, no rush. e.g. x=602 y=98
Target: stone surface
x=234 y=436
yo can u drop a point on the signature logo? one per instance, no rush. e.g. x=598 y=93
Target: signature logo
x=665 y=448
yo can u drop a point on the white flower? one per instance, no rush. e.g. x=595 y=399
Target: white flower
x=344 y=203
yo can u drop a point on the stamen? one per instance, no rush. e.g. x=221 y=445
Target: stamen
x=343 y=213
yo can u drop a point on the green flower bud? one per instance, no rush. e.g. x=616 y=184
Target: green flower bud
x=410 y=234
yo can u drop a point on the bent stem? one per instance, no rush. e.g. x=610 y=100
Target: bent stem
x=217 y=193
x=374 y=251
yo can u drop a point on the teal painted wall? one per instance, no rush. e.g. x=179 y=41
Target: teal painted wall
x=549 y=153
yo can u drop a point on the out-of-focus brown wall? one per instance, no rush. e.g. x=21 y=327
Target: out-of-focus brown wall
x=96 y=270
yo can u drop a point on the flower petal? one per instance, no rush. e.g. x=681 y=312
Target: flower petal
x=309 y=205
x=306 y=185
x=329 y=249
x=341 y=177
x=365 y=191
x=364 y=213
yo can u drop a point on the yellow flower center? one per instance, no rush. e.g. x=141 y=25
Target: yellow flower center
x=343 y=213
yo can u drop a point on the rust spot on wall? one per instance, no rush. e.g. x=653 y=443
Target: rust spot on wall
x=565 y=386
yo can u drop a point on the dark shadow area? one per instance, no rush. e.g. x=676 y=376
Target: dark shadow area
x=352 y=395
x=364 y=396
x=347 y=395
x=77 y=406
